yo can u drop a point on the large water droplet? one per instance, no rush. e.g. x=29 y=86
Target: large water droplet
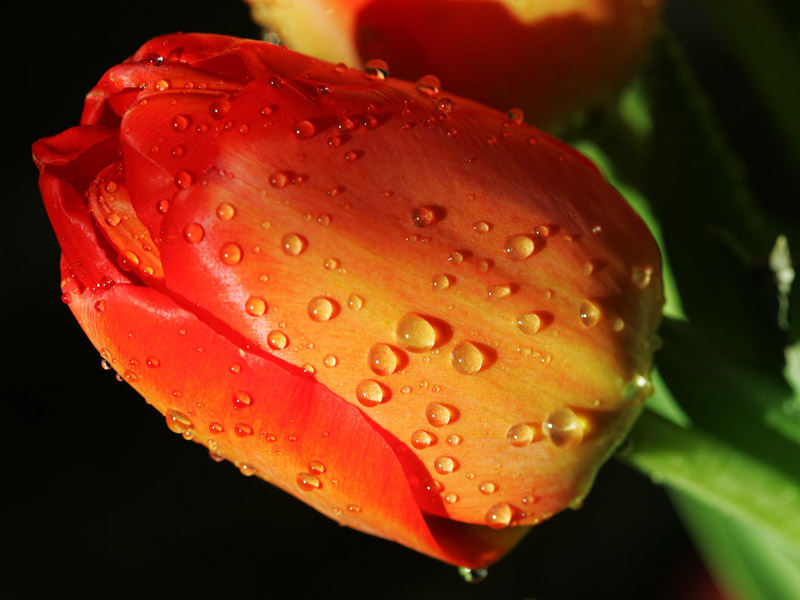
x=415 y=333
x=230 y=254
x=177 y=422
x=520 y=435
x=421 y=439
x=519 y=246
x=304 y=129
x=441 y=282
x=429 y=85
x=376 y=69
x=382 y=359
x=242 y=399
x=193 y=233
x=255 y=306
x=445 y=465
x=466 y=358
x=499 y=515
x=589 y=313
x=487 y=487
x=437 y=414
x=370 y=392
x=563 y=428
x=498 y=291
x=308 y=482
x=322 y=309
x=225 y=211
x=293 y=244
x=316 y=467
x=277 y=340
x=529 y=323
x=424 y=216
x=355 y=302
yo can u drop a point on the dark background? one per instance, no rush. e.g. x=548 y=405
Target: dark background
x=101 y=500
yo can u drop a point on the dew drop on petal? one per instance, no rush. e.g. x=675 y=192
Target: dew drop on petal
x=498 y=291
x=255 y=306
x=382 y=359
x=330 y=361
x=242 y=399
x=529 y=322
x=589 y=313
x=415 y=333
x=304 y=129
x=193 y=233
x=308 y=482
x=183 y=179
x=440 y=282
x=321 y=309
x=429 y=85
x=225 y=211
x=370 y=392
x=499 y=515
x=437 y=414
x=520 y=435
x=230 y=254
x=293 y=244
x=445 y=106
x=563 y=428
x=316 y=467
x=277 y=340
x=487 y=487
x=355 y=302
x=421 y=439
x=519 y=246
x=444 y=465
x=376 y=69
x=424 y=216
x=637 y=389
x=466 y=358
x=641 y=276
x=481 y=227
x=177 y=422
x=247 y=469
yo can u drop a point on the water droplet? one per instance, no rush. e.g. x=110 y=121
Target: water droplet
x=293 y=244
x=498 y=291
x=466 y=358
x=455 y=257
x=113 y=219
x=183 y=179
x=331 y=264
x=355 y=302
x=454 y=439
x=415 y=333
x=316 y=467
x=376 y=69
x=225 y=211
x=353 y=508
x=193 y=233
x=441 y=282
x=421 y=439
x=153 y=362
x=563 y=428
x=587 y=269
x=215 y=428
x=445 y=106
x=304 y=129
x=243 y=429
x=162 y=206
x=177 y=422
x=308 y=482
x=322 y=309
x=340 y=67
x=382 y=359
x=278 y=180
x=181 y=123
x=247 y=469
x=437 y=414
x=371 y=393
x=637 y=389
x=255 y=306
x=242 y=399
x=429 y=85
x=423 y=216
x=433 y=486
x=451 y=498
x=641 y=276
x=518 y=246
x=520 y=435
x=235 y=368
x=481 y=227
x=277 y=340
x=351 y=156
x=487 y=487
x=499 y=515
x=100 y=305
x=529 y=323
x=330 y=361
x=230 y=254
x=589 y=313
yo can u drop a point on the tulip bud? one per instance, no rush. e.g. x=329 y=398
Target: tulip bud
x=427 y=320
x=549 y=58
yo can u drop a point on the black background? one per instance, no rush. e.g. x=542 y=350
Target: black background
x=101 y=500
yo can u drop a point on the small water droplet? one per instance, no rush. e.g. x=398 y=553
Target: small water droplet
x=100 y=305
x=529 y=322
x=181 y=123
x=322 y=309
x=247 y=469
x=331 y=264
x=454 y=439
x=429 y=85
x=641 y=276
x=304 y=129
x=355 y=302
x=481 y=227
x=177 y=422
x=637 y=389
x=455 y=258
x=243 y=429
x=376 y=69
x=466 y=358
x=451 y=498
x=277 y=340
x=518 y=246
x=499 y=515
x=421 y=439
x=242 y=399
x=183 y=179
x=415 y=333
x=382 y=359
x=215 y=428
x=589 y=313
x=424 y=216
x=498 y=291
x=437 y=414
x=152 y=362
x=351 y=156
x=371 y=393
x=255 y=306
x=230 y=254
x=330 y=361
x=487 y=487
x=225 y=211
x=445 y=106
x=520 y=435
x=563 y=428
x=293 y=244
x=316 y=467
x=441 y=282
x=193 y=233
x=308 y=482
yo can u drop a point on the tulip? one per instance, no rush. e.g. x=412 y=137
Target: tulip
x=549 y=58
x=424 y=318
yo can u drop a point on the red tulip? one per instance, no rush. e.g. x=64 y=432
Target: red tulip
x=427 y=320
x=549 y=58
